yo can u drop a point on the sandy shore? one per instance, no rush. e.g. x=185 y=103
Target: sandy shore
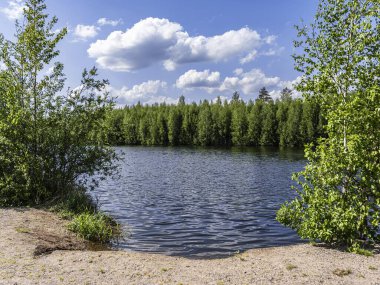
x=36 y=248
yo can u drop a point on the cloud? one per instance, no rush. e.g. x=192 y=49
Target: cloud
x=146 y=92
x=154 y=40
x=145 y=43
x=198 y=79
x=249 y=57
x=276 y=93
x=238 y=71
x=84 y=32
x=273 y=51
x=249 y=83
x=161 y=99
x=108 y=22
x=216 y=48
x=49 y=71
x=221 y=98
x=14 y=10
x=270 y=39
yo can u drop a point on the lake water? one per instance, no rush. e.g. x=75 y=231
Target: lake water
x=200 y=202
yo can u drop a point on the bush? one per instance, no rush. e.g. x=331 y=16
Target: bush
x=96 y=227
x=50 y=141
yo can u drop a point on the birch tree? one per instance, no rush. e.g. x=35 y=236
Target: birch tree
x=339 y=189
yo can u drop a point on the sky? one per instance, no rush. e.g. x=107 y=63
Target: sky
x=155 y=51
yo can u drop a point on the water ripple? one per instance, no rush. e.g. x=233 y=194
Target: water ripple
x=201 y=202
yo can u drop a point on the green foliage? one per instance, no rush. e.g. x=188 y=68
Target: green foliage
x=339 y=190
x=269 y=126
x=239 y=124
x=96 y=227
x=74 y=203
x=50 y=142
x=356 y=248
x=174 y=126
x=255 y=119
x=205 y=125
x=292 y=129
x=115 y=127
x=283 y=122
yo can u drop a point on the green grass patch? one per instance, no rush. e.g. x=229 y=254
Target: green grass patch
x=85 y=219
x=359 y=249
x=364 y=252
x=96 y=227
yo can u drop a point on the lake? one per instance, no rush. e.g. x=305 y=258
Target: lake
x=201 y=202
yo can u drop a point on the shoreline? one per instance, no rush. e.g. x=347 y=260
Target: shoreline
x=37 y=248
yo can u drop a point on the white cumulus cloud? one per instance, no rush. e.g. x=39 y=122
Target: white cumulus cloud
x=14 y=10
x=146 y=42
x=146 y=92
x=84 y=32
x=216 y=48
x=154 y=40
x=248 y=83
x=108 y=22
x=198 y=79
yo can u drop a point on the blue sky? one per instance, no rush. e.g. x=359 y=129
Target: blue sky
x=154 y=51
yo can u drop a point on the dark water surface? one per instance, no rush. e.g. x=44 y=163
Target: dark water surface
x=201 y=202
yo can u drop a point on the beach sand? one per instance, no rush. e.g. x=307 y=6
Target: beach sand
x=37 y=248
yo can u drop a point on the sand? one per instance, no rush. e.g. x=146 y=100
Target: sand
x=37 y=248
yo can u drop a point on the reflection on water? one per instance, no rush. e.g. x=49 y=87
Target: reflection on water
x=201 y=202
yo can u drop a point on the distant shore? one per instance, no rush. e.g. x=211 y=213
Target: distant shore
x=37 y=248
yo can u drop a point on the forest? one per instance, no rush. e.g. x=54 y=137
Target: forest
x=264 y=122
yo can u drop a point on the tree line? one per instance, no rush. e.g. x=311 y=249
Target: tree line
x=263 y=122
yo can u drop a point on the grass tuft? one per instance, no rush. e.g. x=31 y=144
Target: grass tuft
x=85 y=219
x=342 y=272
x=291 y=266
x=23 y=230
x=96 y=227
x=359 y=249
